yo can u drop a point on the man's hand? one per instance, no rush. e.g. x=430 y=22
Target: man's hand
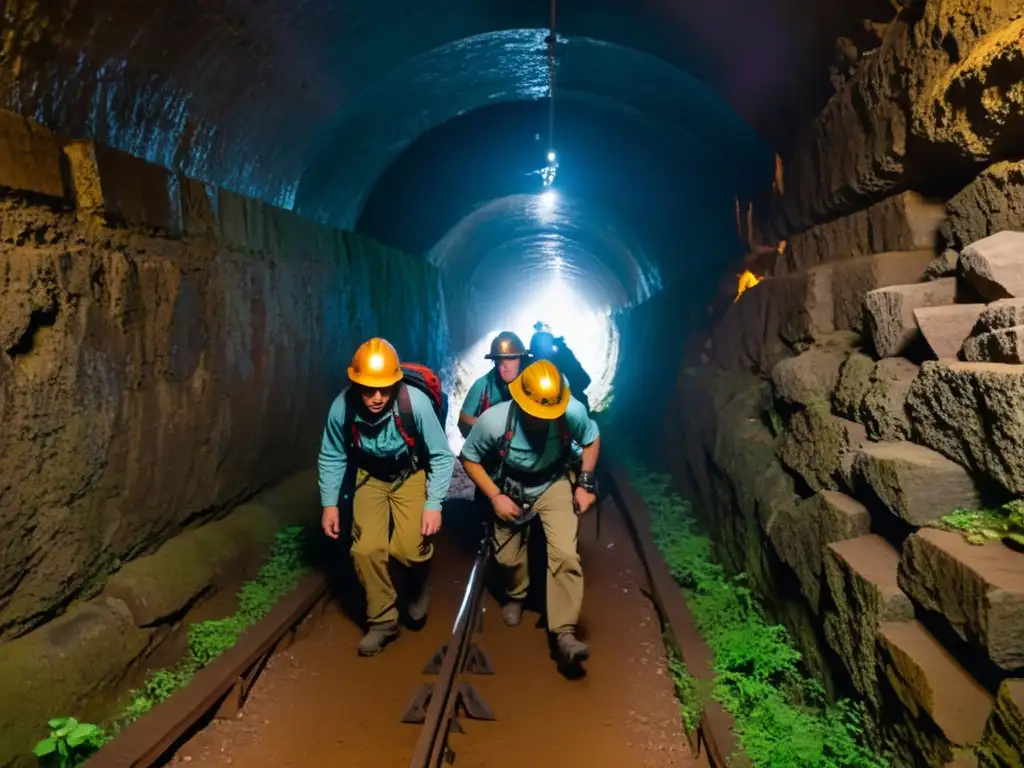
x=505 y=508
x=330 y=521
x=430 y=522
x=584 y=500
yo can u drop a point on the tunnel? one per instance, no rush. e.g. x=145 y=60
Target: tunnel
x=785 y=242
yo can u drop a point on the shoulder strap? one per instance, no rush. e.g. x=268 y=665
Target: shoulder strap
x=349 y=430
x=405 y=422
x=563 y=430
x=506 y=440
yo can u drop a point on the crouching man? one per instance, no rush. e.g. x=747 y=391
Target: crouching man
x=525 y=457
x=387 y=424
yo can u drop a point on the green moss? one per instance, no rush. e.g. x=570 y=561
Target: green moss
x=207 y=640
x=782 y=718
x=984 y=525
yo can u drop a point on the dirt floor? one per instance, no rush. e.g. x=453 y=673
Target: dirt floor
x=319 y=704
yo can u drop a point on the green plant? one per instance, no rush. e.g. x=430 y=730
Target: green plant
x=70 y=743
x=281 y=573
x=782 y=717
x=984 y=525
x=209 y=639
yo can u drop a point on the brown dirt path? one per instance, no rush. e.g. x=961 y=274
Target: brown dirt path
x=319 y=704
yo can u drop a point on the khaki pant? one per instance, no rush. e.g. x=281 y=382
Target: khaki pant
x=374 y=507
x=565 y=571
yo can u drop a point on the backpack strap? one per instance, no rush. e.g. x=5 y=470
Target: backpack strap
x=349 y=431
x=506 y=440
x=405 y=422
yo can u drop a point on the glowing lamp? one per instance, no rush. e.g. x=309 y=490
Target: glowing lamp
x=545 y=384
x=376 y=362
x=551 y=156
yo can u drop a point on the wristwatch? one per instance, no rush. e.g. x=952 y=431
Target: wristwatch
x=587 y=481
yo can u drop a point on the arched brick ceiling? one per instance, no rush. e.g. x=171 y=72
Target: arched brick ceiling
x=260 y=94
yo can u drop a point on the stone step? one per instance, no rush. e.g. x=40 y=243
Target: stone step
x=1003 y=346
x=915 y=483
x=946 y=328
x=30 y=157
x=1004 y=736
x=861 y=577
x=890 y=312
x=993 y=201
x=994 y=265
x=874 y=394
x=979 y=589
x=854 y=278
x=971 y=413
x=927 y=678
x=799 y=535
x=820 y=447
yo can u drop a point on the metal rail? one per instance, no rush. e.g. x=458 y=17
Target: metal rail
x=224 y=684
x=449 y=693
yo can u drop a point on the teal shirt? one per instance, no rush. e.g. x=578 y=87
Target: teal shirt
x=485 y=439
x=382 y=439
x=490 y=385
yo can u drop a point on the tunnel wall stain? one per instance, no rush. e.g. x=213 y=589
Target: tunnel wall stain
x=156 y=368
x=828 y=422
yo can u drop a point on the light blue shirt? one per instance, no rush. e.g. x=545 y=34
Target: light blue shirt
x=381 y=438
x=487 y=384
x=526 y=454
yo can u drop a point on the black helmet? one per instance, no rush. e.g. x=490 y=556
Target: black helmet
x=506 y=346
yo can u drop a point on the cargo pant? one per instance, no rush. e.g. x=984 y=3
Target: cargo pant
x=375 y=507
x=565 y=571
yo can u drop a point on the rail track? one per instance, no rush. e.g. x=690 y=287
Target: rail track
x=221 y=689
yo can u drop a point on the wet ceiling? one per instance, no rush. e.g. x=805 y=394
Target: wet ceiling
x=320 y=96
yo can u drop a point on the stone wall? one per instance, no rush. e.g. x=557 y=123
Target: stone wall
x=873 y=384
x=167 y=349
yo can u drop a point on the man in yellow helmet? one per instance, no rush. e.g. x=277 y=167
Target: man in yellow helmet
x=535 y=456
x=507 y=352
x=386 y=426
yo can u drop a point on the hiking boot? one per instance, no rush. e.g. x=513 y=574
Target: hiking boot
x=376 y=637
x=571 y=650
x=417 y=609
x=512 y=613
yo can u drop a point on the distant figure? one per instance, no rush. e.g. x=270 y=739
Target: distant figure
x=545 y=346
x=387 y=423
x=507 y=352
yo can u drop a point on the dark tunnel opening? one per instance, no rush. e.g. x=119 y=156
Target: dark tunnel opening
x=782 y=239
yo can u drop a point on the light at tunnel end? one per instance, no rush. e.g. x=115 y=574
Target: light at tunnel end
x=588 y=329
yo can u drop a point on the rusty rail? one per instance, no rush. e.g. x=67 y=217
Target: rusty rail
x=450 y=693
x=715 y=730
x=223 y=685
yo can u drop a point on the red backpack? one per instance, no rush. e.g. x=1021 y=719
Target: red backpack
x=413 y=375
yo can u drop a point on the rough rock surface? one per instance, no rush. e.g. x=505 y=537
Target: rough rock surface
x=874 y=393
x=991 y=203
x=943 y=265
x=1004 y=737
x=29 y=157
x=808 y=377
x=853 y=279
x=903 y=222
x=927 y=678
x=800 y=533
x=819 y=447
x=147 y=384
x=882 y=410
x=946 y=328
x=971 y=413
x=913 y=482
x=994 y=266
x=998 y=336
x=861 y=577
x=890 y=312
x=759 y=330
x=978 y=589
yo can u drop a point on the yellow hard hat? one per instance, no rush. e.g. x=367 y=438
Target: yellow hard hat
x=541 y=390
x=375 y=364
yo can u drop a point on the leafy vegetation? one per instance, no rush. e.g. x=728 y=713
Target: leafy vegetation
x=983 y=525
x=71 y=743
x=782 y=717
